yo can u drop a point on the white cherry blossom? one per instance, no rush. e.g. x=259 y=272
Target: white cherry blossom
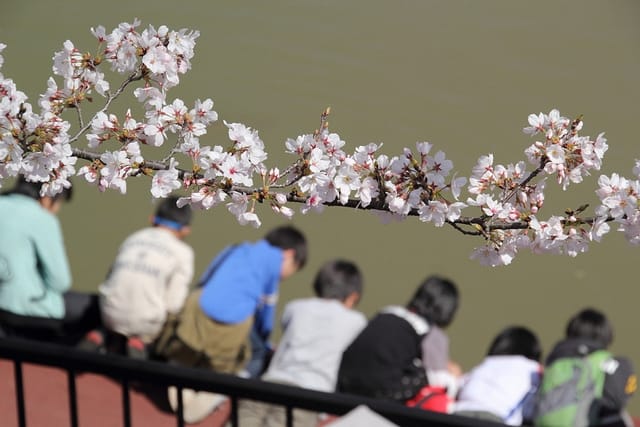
x=114 y=172
x=536 y=124
x=435 y=212
x=346 y=181
x=165 y=182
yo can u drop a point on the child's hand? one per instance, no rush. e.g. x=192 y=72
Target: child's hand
x=454 y=369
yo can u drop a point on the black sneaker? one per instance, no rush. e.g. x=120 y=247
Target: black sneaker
x=93 y=341
x=136 y=349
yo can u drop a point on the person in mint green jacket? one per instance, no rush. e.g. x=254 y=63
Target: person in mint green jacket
x=35 y=278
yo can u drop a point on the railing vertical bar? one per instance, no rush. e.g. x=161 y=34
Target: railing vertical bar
x=17 y=373
x=73 y=397
x=180 y=411
x=234 y=411
x=126 y=403
x=289 y=410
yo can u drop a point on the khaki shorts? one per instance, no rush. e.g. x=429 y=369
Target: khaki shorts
x=199 y=341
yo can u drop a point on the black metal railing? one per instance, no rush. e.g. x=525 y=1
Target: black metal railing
x=125 y=371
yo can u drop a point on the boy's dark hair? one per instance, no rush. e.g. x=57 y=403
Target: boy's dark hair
x=516 y=340
x=590 y=324
x=287 y=237
x=32 y=189
x=169 y=210
x=338 y=279
x=436 y=299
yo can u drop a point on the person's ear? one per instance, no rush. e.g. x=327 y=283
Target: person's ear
x=289 y=264
x=50 y=204
x=45 y=202
x=184 y=231
x=351 y=300
x=289 y=253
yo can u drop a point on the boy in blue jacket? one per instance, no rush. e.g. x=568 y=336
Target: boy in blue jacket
x=230 y=315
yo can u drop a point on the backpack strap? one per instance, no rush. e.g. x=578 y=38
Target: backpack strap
x=215 y=266
x=417 y=322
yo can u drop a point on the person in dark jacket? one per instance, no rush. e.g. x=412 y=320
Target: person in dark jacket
x=386 y=359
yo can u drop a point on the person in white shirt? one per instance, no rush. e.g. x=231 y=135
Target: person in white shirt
x=315 y=333
x=148 y=281
x=502 y=388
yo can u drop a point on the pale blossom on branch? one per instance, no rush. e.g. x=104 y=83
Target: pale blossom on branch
x=165 y=182
x=115 y=170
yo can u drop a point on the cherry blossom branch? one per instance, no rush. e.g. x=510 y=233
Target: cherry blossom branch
x=146 y=167
x=508 y=200
x=79 y=113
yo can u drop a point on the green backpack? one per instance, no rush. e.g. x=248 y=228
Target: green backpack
x=569 y=391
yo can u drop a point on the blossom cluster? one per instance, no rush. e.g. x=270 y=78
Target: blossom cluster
x=619 y=200
x=506 y=201
x=32 y=144
x=509 y=195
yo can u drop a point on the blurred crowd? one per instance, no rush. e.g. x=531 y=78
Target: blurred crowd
x=149 y=306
